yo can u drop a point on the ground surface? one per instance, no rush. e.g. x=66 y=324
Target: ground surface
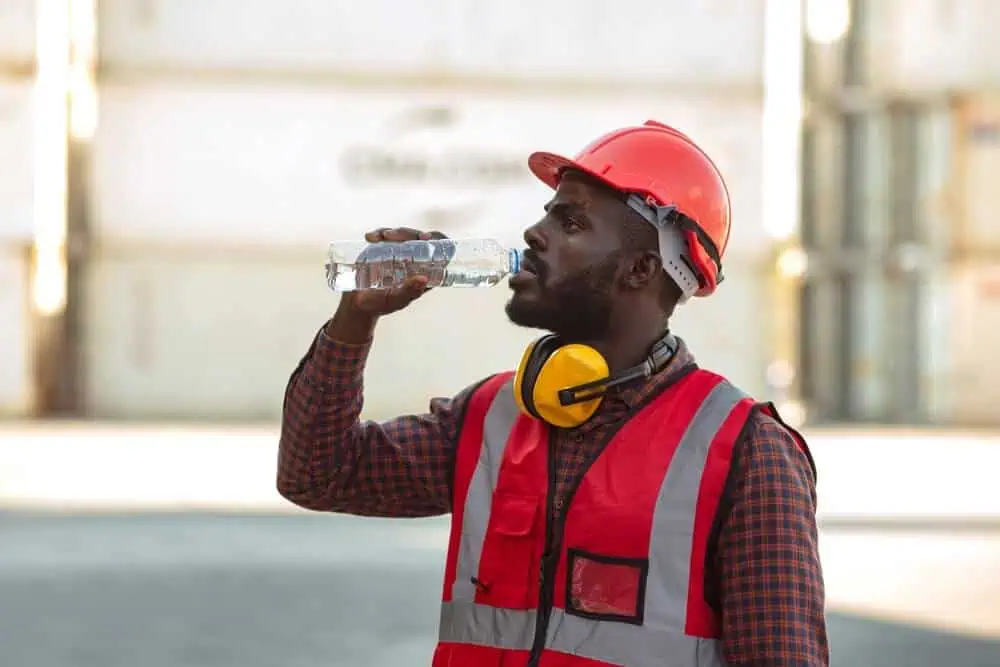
x=228 y=577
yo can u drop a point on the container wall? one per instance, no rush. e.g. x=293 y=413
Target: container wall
x=901 y=152
x=932 y=46
x=879 y=220
x=16 y=176
x=238 y=137
x=248 y=165
x=512 y=39
x=212 y=209
x=974 y=319
x=939 y=379
x=977 y=162
x=966 y=368
x=15 y=337
x=17 y=35
x=16 y=192
x=215 y=335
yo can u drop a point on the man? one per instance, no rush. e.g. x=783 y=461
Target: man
x=612 y=504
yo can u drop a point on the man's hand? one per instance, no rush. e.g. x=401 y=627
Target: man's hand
x=359 y=310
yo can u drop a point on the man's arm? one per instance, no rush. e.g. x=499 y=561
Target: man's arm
x=329 y=460
x=770 y=583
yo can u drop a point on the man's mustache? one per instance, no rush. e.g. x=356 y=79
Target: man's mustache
x=534 y=264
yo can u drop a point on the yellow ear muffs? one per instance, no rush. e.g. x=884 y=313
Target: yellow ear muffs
x=547 y=370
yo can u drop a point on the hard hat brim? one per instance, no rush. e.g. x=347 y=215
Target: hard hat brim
x=548 y=168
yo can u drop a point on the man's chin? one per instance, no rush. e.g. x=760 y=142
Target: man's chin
x=526 y=312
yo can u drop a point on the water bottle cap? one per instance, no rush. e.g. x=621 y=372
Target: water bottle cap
x=515 y=260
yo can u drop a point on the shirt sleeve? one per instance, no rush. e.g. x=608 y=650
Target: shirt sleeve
x=330 y=460
x=770 y=581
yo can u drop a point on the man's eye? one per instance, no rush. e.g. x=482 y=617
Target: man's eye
x=569 y=222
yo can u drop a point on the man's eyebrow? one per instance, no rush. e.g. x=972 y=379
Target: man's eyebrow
x=565 y=206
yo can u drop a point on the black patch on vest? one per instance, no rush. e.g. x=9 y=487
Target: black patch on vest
x=606 y=588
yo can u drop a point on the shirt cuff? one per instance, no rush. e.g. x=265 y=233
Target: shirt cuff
x=332 y=362
x=341 y=353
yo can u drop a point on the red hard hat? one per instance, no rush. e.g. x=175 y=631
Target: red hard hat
x=671 y=177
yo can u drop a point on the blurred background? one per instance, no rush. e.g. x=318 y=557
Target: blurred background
x=172 y=170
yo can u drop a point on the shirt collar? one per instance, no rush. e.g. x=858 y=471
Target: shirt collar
x=636 y=393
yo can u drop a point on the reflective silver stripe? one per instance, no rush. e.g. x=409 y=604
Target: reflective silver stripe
x=617 y=643
x=470 y=623
x=630 y=645
x=673 y=519
x=500 y=420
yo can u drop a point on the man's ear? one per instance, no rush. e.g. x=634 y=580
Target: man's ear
x=644 y=269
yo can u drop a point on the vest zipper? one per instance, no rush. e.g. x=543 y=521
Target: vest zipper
x=554 y=529
x=553 y=539
x=550 y=560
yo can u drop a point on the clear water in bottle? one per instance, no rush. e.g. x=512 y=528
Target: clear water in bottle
x=356 y=265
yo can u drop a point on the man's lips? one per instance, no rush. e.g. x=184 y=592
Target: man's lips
x=530 y=263
x=528 y=272
x=523 y=278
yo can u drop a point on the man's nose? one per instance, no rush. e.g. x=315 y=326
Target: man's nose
x=534 y=237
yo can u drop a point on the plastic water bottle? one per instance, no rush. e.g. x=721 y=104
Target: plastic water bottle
x=356 y=265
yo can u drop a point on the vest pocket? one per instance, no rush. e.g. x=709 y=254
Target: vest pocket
x=605 y=588
x=508 y=570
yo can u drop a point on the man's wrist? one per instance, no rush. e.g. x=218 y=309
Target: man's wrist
x=350 y=325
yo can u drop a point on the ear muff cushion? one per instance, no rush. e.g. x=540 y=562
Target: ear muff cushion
x=568 y=366
x=535 y=360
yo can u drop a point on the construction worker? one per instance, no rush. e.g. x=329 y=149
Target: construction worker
x=611 y=502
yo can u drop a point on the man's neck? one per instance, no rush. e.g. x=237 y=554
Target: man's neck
x=629 y=346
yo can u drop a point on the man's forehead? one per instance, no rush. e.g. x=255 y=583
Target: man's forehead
x=581 y=190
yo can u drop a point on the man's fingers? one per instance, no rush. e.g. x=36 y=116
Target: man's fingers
x=376 y=235
x=401 y=234
x=415 y=285
x=411 y=290
x=385 y=301
x=396 y=234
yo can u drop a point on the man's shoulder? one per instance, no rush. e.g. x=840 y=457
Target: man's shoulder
x=766 y=438
x=764 y=420
x=483 y=390
x=769 y=442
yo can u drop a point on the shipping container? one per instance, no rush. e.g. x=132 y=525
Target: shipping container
x=967 y=384
x=866 y=346
x=17 y=36
x=212 y=208
x=905 y=349
x=16 y=174
x=237 y=138
x=883 y=215
x=697 y=43
x=214 y=334
x=249 y=165
x=919 y=47
x=977 y=165
x=15 y=337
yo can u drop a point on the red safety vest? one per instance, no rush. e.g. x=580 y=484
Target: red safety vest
x=625 y=585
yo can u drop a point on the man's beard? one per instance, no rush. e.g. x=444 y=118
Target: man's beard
x=577 y=307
